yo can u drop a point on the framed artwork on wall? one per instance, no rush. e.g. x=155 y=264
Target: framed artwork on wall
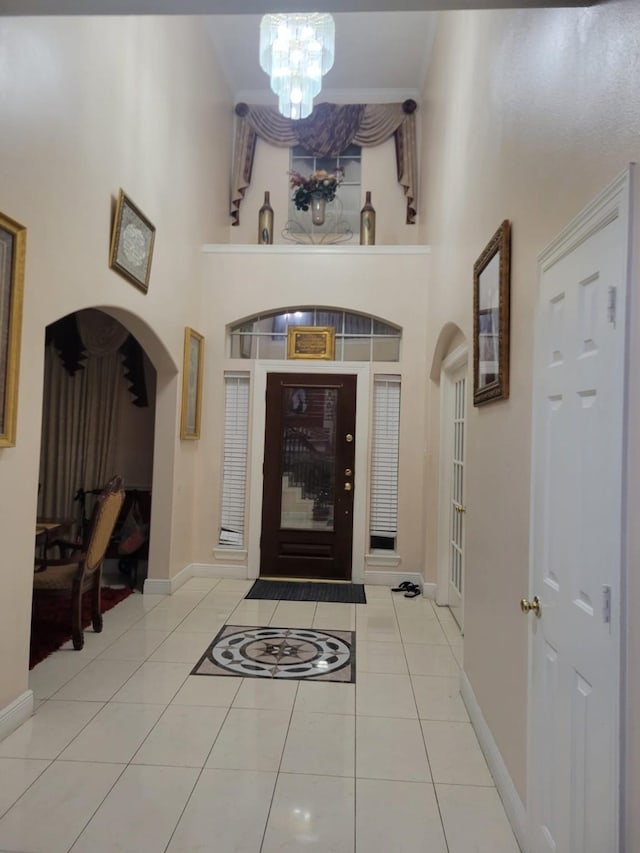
x=192 y=384
x=491 y=288
x=132 y=239
x=13 y=238
x=315 y=342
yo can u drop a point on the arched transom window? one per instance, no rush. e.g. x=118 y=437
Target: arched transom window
x=359 y=337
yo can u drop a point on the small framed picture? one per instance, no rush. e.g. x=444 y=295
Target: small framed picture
x=192 y=384
x=491 y=286
x=13 y=239
x=132 y=241
x=311 y=342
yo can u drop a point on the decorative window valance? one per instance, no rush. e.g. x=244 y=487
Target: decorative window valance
x=88 y=333
x=327 y=132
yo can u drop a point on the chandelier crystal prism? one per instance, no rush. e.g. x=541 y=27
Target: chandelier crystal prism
x=296 y=50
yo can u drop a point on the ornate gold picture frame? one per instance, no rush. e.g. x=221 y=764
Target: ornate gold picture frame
x=13 y=241
x=311 y=342
x=192 y=384
x=132 y=239
x=491 y=297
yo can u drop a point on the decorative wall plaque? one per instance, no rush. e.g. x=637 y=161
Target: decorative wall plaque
x=311 y=342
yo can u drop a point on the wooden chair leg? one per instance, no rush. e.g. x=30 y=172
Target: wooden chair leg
x=96 y=614
x=77 y=634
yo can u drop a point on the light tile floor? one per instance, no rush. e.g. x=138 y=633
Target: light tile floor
x=128 y=752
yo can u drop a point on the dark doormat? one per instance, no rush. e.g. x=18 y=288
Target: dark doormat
x=343 y=593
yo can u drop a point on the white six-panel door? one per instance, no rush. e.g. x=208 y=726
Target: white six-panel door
x=576 y=533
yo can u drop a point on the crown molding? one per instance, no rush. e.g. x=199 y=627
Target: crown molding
x=334 y=96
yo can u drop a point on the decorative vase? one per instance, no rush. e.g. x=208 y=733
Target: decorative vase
x=265 y=222
x=318 y=204
x=367 y=223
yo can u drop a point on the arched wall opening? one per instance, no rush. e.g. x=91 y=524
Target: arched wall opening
x=449 y=340
x=162 y=424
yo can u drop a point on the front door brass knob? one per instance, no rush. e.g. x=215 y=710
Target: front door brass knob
x=534 y=604
x=348 y=438
x=347 y=487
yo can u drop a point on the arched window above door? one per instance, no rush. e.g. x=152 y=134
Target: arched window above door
x=359 y=337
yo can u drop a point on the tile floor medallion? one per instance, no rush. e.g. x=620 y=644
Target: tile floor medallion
x=294 y=653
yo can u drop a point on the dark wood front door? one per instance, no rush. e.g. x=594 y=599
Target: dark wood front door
x=307 y=500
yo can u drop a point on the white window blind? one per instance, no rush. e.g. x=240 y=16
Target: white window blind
x=234 y=484
x=384 y=456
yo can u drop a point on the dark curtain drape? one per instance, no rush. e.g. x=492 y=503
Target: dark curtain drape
x=328 y=131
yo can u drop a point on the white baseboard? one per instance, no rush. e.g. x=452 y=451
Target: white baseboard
x=166 y=586
x=511 y=801
x=233 y=555
x=382 y=561
x=215 y=570
x=16 y=713
x=392 y=578
x=429 y=590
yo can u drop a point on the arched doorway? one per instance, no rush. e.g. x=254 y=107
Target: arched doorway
x=98 y=419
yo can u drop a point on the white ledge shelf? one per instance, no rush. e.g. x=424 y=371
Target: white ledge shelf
x=296 y=249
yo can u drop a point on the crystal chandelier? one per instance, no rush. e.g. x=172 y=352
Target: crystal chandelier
x=296 y=50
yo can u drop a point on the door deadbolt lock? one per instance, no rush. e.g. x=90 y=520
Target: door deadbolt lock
x=534 y=604
x=348 y=472
x=348 y=438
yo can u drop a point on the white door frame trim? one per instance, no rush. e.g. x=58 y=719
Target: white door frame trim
x=454 y=361
x=256 y=454
x=613 y=203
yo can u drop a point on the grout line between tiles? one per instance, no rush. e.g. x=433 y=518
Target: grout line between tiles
x=279 y=770
x=50 y=762
x=433 y=782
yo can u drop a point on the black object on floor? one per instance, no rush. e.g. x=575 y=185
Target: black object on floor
x=342 y=593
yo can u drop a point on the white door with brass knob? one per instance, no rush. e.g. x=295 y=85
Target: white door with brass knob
x=452 y=509
x=573 y=603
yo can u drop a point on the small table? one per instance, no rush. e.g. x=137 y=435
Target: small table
x=47 y=531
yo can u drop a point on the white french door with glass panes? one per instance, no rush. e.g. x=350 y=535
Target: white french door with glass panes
x=451 y=522
x=457 y=507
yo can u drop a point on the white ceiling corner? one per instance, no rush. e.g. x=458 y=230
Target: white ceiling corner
x=380 y=56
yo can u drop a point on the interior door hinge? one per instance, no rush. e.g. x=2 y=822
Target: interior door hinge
x=606 y=604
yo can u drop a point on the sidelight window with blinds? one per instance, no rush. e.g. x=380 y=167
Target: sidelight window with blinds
x=234 y=477
x=383 y=515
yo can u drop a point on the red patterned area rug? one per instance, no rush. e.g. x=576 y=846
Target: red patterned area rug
x=51 y=620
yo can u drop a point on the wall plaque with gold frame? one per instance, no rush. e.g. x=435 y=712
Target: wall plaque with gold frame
x=12 y=255
x=318 y=342
x=192 y=384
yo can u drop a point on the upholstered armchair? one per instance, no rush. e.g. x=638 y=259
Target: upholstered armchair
x=82 y=571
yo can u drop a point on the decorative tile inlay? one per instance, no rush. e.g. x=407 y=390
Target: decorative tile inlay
x=280 y=653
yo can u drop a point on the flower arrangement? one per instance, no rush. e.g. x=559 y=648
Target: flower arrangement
x=320 y=182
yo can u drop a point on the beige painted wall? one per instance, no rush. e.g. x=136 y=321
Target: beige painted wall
x=390 y=286
x=90 y=105
x=527 y=116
